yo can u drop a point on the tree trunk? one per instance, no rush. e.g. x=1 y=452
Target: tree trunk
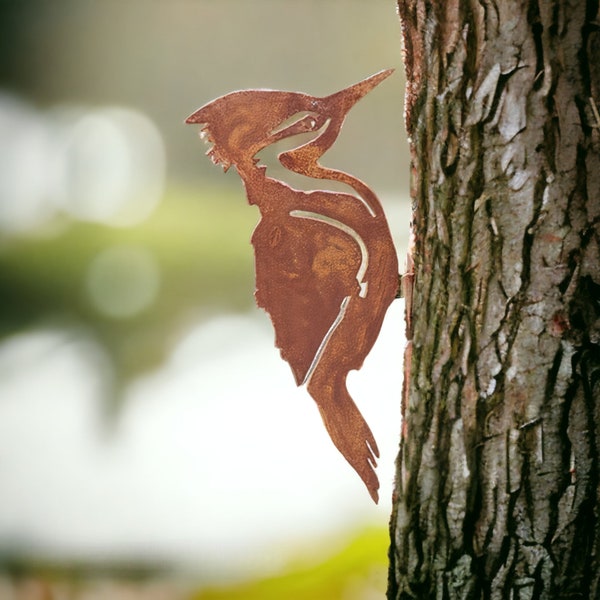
x=498 y=480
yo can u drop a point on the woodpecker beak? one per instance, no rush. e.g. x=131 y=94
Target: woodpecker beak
x=347 y=98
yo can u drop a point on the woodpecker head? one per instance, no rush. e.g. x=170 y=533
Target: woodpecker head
x=241 y=124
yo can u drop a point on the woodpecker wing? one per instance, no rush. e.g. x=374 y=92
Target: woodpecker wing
x=306 y=269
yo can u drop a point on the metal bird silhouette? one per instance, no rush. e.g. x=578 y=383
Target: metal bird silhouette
x=326 y=267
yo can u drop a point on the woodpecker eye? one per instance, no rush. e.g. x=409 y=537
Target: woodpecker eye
x=297 y=124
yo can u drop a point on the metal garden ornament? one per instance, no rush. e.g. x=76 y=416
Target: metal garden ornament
x=326 y=267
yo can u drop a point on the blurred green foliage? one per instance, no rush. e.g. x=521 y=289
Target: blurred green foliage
x=200 y=244
x=354 y=569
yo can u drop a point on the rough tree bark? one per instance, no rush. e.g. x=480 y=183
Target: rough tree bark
x=498 y=481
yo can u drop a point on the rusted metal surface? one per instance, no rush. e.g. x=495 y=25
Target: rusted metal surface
x=326 y=267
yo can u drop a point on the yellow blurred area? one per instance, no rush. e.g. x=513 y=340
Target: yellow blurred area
x=358 y=571
x=152 y=442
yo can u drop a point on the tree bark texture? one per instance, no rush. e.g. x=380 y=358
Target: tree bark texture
x=498 y=480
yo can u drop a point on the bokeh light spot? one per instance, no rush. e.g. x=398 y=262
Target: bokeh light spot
x=122 y=281
x=24 y=150
x=115 y=167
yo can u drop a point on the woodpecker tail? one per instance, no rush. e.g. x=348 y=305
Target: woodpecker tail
x=346 y=427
